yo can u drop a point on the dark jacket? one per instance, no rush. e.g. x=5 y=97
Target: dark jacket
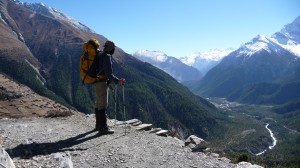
x=105 y=67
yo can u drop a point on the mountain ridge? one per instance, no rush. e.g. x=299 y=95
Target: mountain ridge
x=170 y=65
x=204 y=61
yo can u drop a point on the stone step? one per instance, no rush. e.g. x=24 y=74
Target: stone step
x=164 y=133
x=133 y=121
x=145 y=127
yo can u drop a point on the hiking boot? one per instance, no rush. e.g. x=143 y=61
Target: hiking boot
x=97 y=116
x=104 y=131
x=101 y=123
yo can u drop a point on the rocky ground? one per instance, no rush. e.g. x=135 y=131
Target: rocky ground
x=33 y=137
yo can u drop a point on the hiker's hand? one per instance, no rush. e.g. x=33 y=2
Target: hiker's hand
x=107 y=82
x=121 y=81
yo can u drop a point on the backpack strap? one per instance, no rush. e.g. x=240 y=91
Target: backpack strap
x=100 y=76
x=85 y=57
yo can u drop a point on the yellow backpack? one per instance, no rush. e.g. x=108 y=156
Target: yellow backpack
x=88 y=68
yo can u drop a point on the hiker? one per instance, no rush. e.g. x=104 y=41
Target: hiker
x=101 y=86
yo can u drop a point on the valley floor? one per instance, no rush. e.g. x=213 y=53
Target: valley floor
x=268 y=138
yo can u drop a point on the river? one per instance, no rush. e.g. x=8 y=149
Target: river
x=222 y=103
x=273 y=139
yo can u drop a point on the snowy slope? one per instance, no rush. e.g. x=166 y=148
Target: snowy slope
x=259 y=43
x=213 y=55
x=54 y=13
x=151 y=56
x=289 y=37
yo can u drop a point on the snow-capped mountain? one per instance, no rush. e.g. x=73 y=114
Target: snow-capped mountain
x=287 y=39
x=204 y=61
x=173 y=66
x=263 y=70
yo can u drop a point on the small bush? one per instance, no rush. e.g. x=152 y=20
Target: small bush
x=243 y=158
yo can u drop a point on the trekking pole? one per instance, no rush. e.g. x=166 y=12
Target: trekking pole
x=2 y=165
x=115 y=98
x=124 y=113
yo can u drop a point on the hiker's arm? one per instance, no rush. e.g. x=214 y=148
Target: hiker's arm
x=107 y=67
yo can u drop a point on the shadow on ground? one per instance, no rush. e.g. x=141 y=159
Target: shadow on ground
x=26 y=151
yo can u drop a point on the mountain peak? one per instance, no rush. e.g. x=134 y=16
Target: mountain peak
x=260 y=37
x=257 y=43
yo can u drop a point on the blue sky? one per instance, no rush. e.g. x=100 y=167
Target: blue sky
x=180 y=27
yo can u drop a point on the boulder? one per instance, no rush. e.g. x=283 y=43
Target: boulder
x=5 y=160
x=195 y=143
x=64 y=159
x=247 y=165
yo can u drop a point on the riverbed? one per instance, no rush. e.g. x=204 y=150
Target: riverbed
x=273 y=139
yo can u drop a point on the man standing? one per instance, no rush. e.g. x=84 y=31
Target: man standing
x=105 y=77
